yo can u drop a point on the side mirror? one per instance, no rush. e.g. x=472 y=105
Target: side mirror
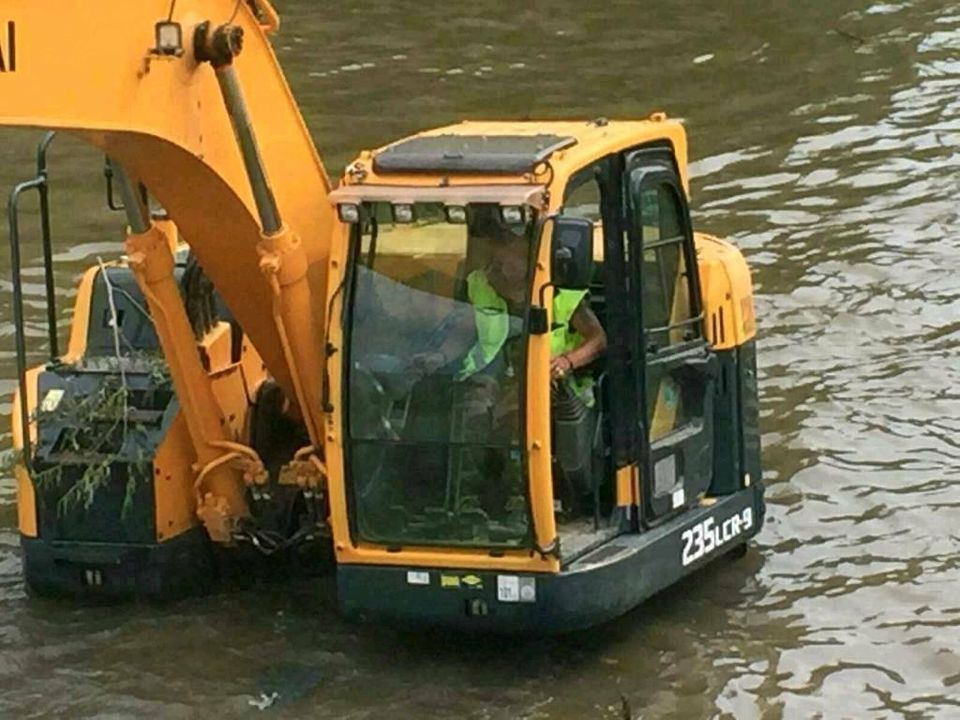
x=572 y=267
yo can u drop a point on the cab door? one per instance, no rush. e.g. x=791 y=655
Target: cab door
x=678 y=372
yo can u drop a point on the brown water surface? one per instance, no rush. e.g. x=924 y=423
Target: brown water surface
x=826 y=143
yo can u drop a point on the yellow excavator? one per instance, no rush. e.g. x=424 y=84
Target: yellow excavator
x=279 y=374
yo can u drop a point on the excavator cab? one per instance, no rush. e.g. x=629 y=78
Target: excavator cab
x=477 y=491
x=436 y=366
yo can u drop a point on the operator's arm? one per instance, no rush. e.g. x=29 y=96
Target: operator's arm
x=585 y=322
x=455 y=337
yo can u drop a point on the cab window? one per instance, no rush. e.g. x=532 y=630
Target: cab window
x=582 y=198
x=668 y=317
x=670 y=321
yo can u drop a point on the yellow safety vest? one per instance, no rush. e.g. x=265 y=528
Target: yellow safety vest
x=492 y=318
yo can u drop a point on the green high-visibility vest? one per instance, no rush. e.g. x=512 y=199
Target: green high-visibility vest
x=492 y=318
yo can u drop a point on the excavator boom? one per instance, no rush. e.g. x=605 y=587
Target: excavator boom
x=97 y=68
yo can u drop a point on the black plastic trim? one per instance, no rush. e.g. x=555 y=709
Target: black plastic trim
x=180 y=567
x=599 y=587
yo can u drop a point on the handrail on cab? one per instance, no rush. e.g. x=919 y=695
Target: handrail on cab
x=40 y=184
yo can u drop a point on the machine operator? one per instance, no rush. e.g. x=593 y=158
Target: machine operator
x=488 y=374
x=497 y=293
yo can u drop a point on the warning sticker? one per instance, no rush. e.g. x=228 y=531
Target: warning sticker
x=514 y=589
x=508 y=588
x=51 y=400
x=418 y=577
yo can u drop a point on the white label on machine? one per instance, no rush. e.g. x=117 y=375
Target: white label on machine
x=51 y=400
x=665 y=475
x=679 y=497
x=418 y=577
x=508 y=588
x=706 y=536
x=528 y=589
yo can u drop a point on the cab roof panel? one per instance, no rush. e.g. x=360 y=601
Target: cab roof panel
x=454 y=152
x=591 y=140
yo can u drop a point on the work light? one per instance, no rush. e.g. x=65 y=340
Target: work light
x=169 y=38
x=348 y=212
x=403 y=213
x=456 y=214
x=512 y=214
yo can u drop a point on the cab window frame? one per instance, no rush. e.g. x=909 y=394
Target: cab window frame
x=592 y=173
x=662 y=174
x=363 y=253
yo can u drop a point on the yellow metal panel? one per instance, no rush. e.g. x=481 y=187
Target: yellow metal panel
x=228 y=388
x=216 y=347
x=173 y=477
x=627 y=486
x=31 y=378
x=26 y=502
x=538 y=439
x=514 y=561
x=333 y=420
x=80 y=325
x=252 y=367
x=26 y=497
x=729 y=317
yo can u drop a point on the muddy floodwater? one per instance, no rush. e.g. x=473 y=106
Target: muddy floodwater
x=825 y=141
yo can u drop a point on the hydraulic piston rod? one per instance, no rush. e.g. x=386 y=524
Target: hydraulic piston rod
x=220 y=487
x=136 y=213
x=219 y=49
x=283 y=260
x=237 y=109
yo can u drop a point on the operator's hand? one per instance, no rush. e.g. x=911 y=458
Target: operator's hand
x=560 y=367
x=428 y=362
